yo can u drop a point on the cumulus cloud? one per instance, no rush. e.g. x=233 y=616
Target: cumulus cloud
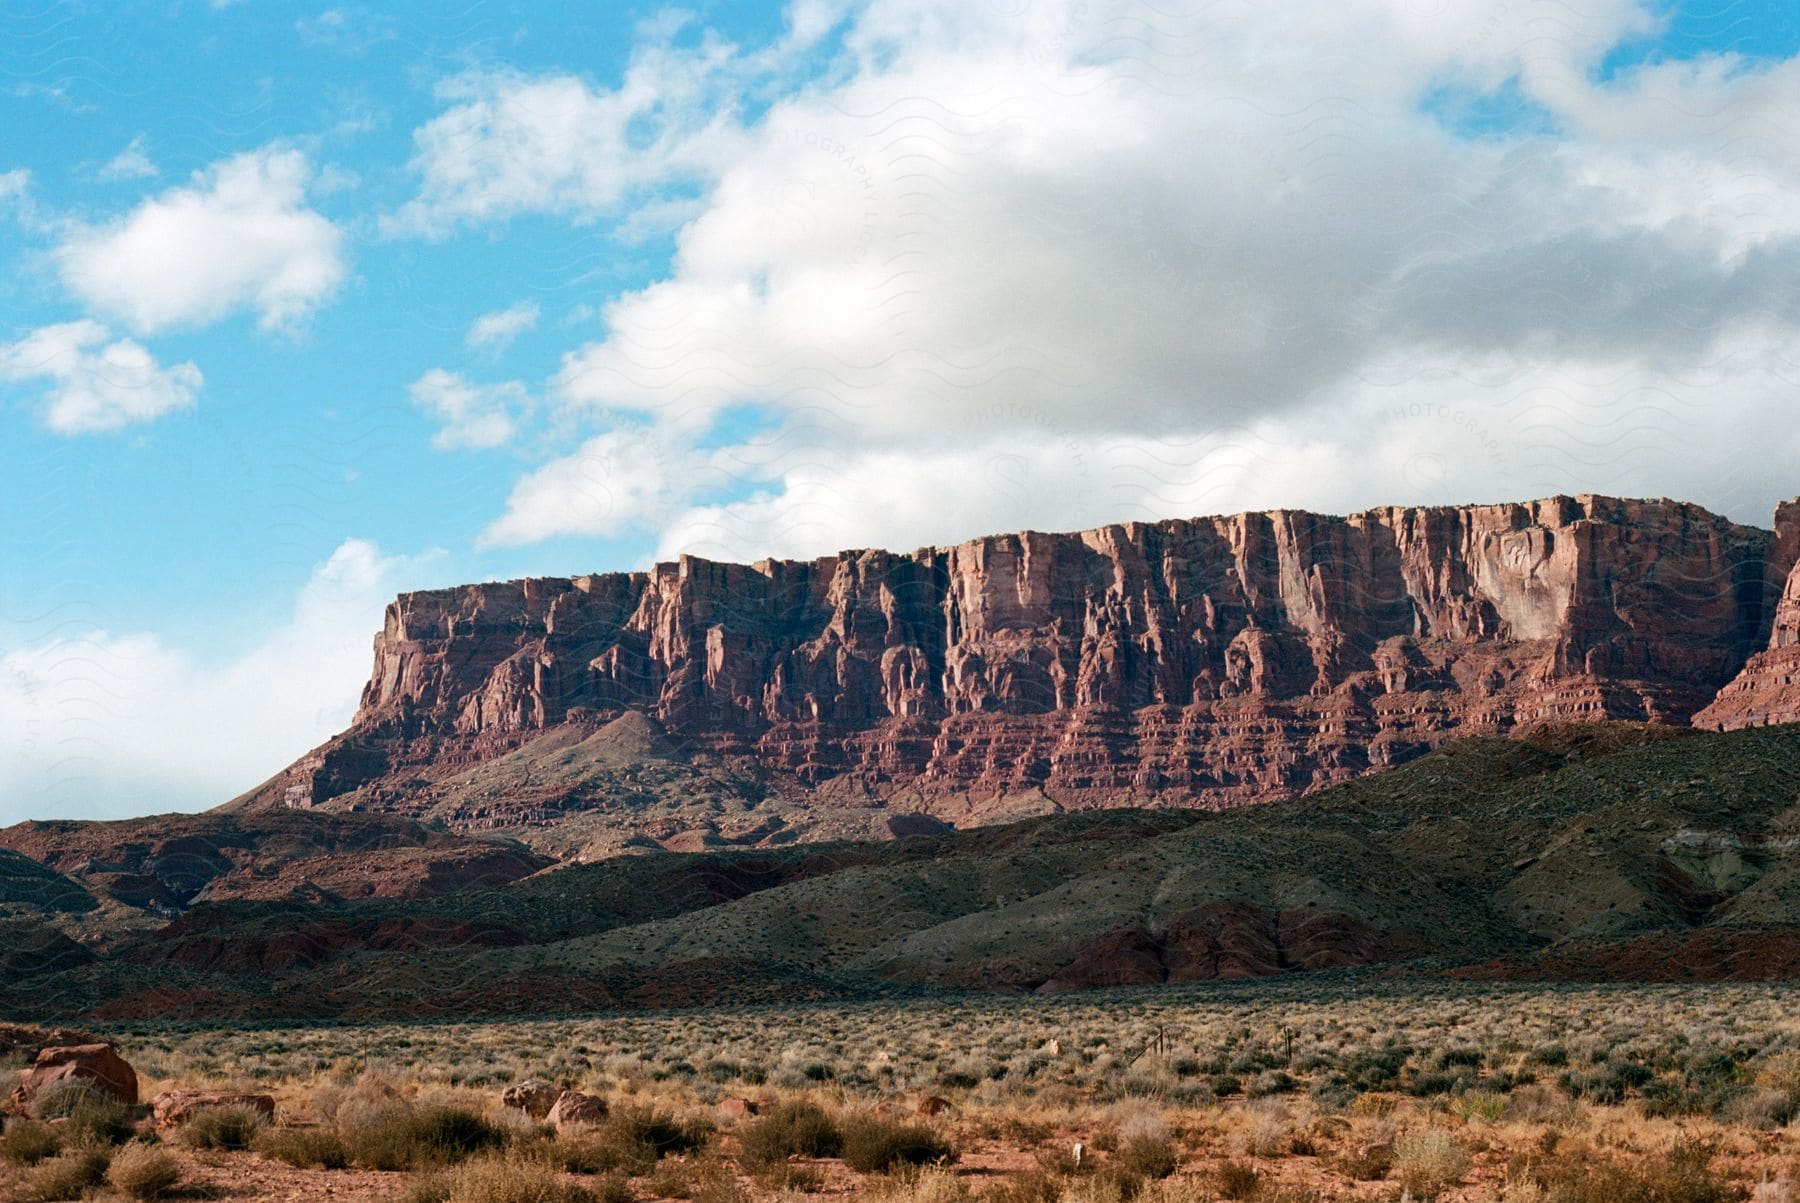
x=1218 y=260
x=473 y=415
x=614 y=482
x=513 y=144
x=97 y=384
x=102 y=724
x=496 y=331
x=132 y=163
x=240 y=236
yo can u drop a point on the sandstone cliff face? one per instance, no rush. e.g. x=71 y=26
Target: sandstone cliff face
x=1210 y=662
x=1768 y=690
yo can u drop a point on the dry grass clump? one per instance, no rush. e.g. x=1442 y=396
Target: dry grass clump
x=1235 y=1180
x=141 y=1171
x=491 y=1180
x=874 y=1144
x=229 y=1128
x=630 y=1140
x=1682 y=1174
x=94 y=1116
x=1032 y=1186
x=399 y=1135
x=1149 y=1156
x=1366 y=1163
x=1270 y=1132
x=1428 y=1160
x=794 y=1128
x=701 y=1179
x=68 y=1175
x=304 y=1148
x=930 y=1185
x=27 y=1141
x=1539 y=1105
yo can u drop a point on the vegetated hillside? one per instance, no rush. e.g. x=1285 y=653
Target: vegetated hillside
x=1203 y=662
x=163 y=863
x=28 y=886
x=1576 y=852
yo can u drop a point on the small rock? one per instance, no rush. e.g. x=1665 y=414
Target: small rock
x=174 y=1108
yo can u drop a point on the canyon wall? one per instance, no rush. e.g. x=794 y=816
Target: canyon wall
x=1211 y=661
x=1768 y=690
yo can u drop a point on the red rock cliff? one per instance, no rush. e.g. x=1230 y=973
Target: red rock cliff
x=1768 y=690
x=1208 y=661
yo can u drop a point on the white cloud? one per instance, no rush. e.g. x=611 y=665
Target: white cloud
x=116 y=724
x=1216 y=259
x=132 y=163
x=16 y=182
x=614 y=482
x=514 y=144
x=97 y=385
x=496 y=331
x=473 y=415
x=240 y=236
x=346 y=31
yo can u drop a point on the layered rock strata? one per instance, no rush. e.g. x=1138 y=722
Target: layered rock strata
x=1209 y=662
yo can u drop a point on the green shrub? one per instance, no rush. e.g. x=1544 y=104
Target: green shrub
x=27 y=1142
x=873 y=1145
x=231 y=1128
x=795 y=1128
x=1479 y=1105
x=68 y=1176
x=143 y=1172
x=1272 y=1082
x=659 y=1130
x=305 y=1148
x=1431 y=1084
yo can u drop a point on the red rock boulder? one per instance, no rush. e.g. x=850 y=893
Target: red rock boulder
x=738 y=1108
x=99 y=1064
x=933 y=1104
x=574 y=1109
x=173 y=1108
x=531 y=1096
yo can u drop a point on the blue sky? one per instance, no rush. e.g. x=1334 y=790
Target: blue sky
x=311 y=303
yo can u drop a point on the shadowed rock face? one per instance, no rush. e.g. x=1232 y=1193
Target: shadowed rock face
x=1768 y=690
x=1206 y=662
x=1225 y=940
